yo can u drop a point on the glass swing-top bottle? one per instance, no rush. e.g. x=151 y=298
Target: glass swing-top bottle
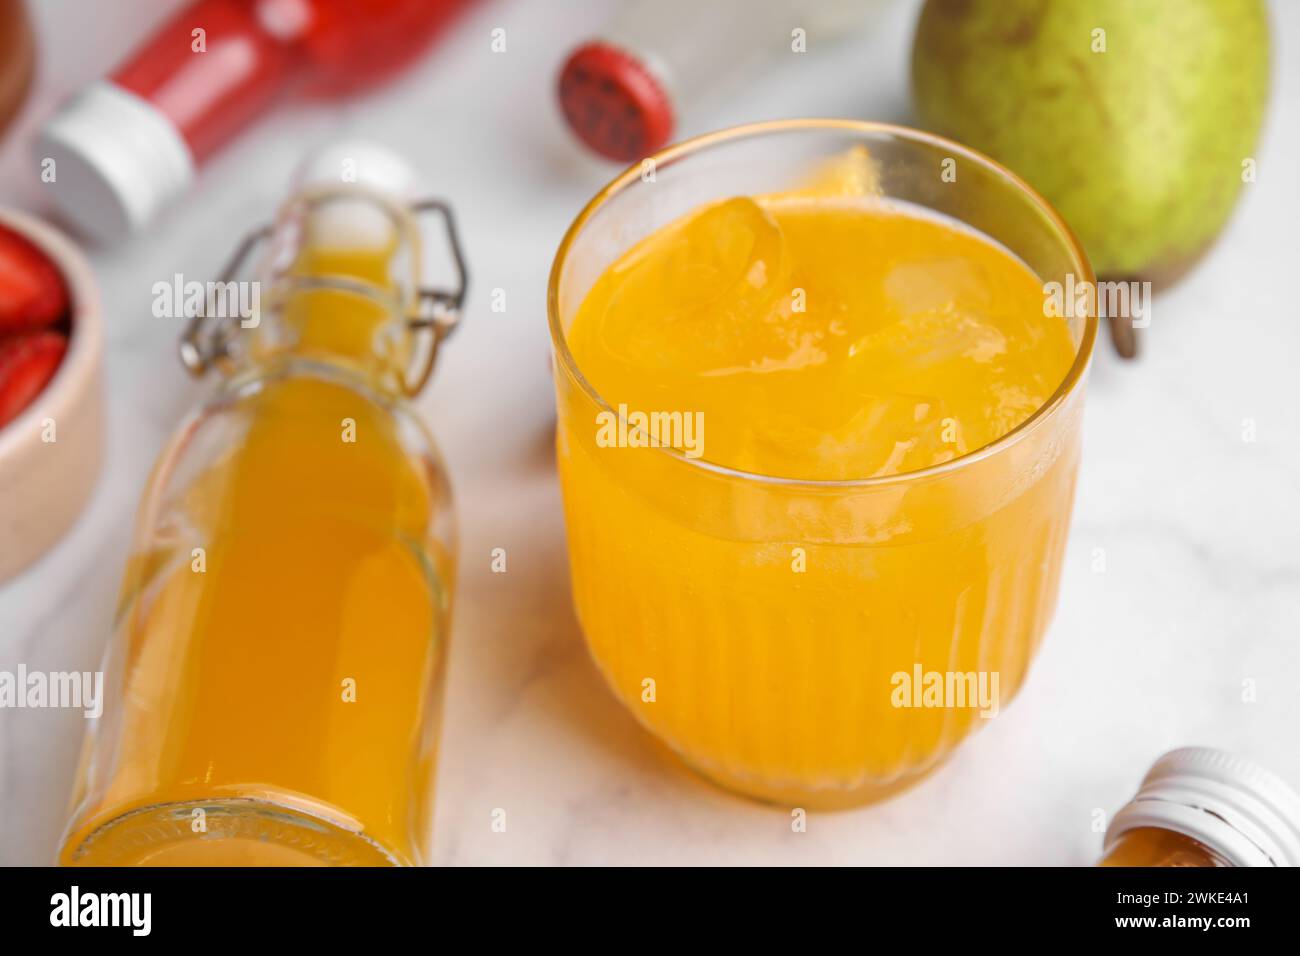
x=273 y=686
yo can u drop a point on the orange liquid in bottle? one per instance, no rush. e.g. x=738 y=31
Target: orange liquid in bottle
x=1153 y=846
x=279 y=705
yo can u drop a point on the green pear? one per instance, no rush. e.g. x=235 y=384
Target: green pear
x=1136 y=119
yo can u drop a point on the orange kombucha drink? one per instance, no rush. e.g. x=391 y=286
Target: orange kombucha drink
x=818 y=442
x=276 y=676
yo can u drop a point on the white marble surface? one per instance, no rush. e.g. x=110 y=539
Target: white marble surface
x=1201 y=530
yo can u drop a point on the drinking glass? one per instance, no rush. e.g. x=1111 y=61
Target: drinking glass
x=782 y=683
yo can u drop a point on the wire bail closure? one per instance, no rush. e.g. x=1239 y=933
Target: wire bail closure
x=207 y=339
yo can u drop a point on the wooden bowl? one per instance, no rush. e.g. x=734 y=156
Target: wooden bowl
x=45 y=484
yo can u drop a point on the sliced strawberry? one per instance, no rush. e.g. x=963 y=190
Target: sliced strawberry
x=27 y=363
x=33 y=294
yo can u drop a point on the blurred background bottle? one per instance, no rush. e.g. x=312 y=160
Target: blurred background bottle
x=126 y=146
x=623 y=93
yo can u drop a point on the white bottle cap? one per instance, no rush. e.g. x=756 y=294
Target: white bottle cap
x=361 y=161
x=117 y=160
x=357 y=224
x=1231 y=805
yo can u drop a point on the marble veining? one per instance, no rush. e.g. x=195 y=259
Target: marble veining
x=1196 y=531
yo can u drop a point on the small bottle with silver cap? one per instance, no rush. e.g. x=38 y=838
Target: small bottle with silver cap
x=274 y=685
x=1202 y=807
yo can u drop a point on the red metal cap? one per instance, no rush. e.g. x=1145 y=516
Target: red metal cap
x=614 y=103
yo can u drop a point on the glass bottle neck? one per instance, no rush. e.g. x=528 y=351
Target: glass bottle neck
x=342 y=277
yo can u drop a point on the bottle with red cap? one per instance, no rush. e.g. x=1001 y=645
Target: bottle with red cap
x=623 y=93
x=126 y=146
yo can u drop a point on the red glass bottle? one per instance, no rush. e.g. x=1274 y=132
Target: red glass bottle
x=127 y=145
